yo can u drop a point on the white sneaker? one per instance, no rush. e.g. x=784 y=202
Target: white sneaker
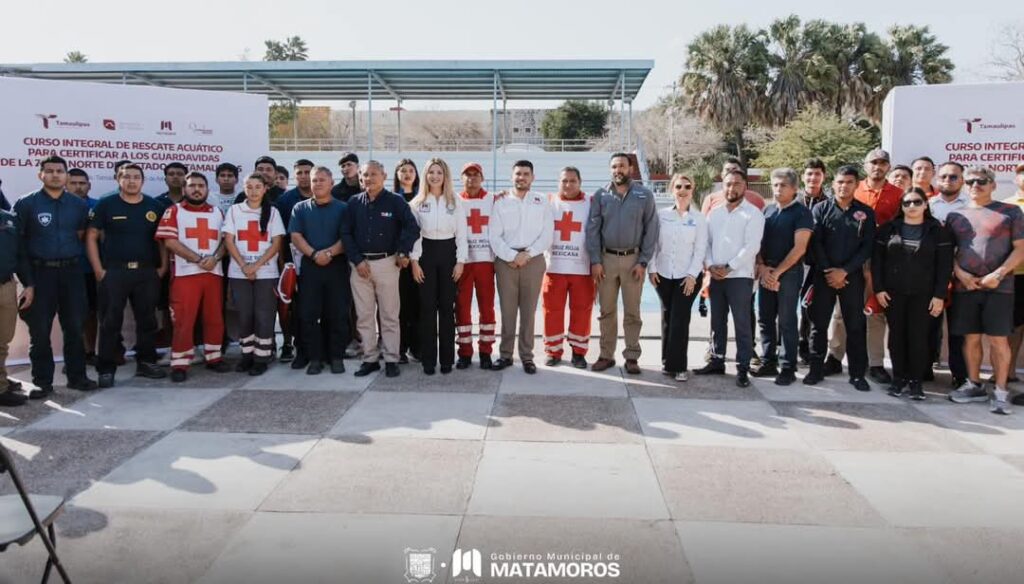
x=968 y=392
x=683 y=376
x=1000 y=403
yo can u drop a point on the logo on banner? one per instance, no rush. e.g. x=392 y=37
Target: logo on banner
x=419 y=565
x=468 y=562
x=972 y=124
x=166 y=125
x=46 y=119
x=110 y=124
x=50 y=121
x=45 y=219
x=200 y=129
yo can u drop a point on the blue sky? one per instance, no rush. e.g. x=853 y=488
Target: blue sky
x=191 y=30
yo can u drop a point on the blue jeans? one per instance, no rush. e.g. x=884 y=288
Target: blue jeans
x=777 y=312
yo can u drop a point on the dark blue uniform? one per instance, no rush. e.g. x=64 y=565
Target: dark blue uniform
x=777 y=310
x=325 y=293
x=383 y=226
x=12 y=261
x=842 y=239
x=51 y=230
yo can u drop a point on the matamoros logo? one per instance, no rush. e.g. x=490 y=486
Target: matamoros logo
x=51 y=121
x=975 y=124
x=166 y=128
x=468 y=566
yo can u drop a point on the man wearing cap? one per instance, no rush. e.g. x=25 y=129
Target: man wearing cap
x=349 y=183
x=478 y=273
x=622 y=232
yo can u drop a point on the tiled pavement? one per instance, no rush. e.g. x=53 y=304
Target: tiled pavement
x=330 y=479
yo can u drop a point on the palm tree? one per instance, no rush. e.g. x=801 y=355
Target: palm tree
x=725 y=80
x=292 y=49
x=854 y=58
x=798 y=70
x=76 y=57
x=913 y=56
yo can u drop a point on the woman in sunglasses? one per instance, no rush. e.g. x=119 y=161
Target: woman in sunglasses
x=676 y=270
x=911 y=265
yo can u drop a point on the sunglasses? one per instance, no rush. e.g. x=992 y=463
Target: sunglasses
x=684 y=187
x=977 y=181
x=949 y=176
x=912 y=203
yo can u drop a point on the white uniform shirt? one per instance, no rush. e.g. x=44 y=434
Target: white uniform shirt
x=568 y=254
x=941 y=208
x=244 y=224
x=682 y=244
x=521 y=224
x=734 y=238
x=478 y=219
x=439 y=221
x=197 y=229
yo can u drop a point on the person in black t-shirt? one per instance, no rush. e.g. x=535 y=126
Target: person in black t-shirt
x=349 y=184
x=266 y=166
x=130 y=269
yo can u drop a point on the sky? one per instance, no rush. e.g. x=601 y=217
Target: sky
x=193 y=30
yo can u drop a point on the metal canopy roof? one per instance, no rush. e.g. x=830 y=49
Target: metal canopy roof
x=357 y=80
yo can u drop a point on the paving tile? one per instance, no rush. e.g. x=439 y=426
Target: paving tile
x=472 y=380
x=981 y=556
x=566 y=480
x=383 y=476
x=936 y=489
x=739 y=553
x=65 y=462
x=201 y=470
x=974 y=423
x=273 y=412
x=757 y=486
x=835 y=388
x=894 y=427
x=283 y=377
x=129 y=545
x=648 y=551
x=331 y=548
x=542 y=418
x=416 y=415
x=199 y=377
x=562 y=380
x=652 y=383
x=715 y=423
x=126 y=408
x=32 y=410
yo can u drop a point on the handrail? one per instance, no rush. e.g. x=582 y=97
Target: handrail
x=464 y=144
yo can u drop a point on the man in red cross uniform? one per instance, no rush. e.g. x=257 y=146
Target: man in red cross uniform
x=191 y=232
x=568 y=275
x=478 y=273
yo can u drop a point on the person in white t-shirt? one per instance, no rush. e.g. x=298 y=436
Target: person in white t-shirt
x=224 y=195
x=252 y=234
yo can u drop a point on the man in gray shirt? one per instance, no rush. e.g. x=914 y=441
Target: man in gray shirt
x=622 y=231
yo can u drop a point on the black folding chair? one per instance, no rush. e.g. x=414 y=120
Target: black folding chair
x=20 y=522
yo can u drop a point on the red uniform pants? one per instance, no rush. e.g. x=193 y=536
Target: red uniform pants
x=189 y=295
x=477 y=276
x=580 y=291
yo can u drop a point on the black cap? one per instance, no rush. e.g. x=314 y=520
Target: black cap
x=348 y=157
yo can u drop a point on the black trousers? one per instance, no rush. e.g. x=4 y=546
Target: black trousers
x=851 y=303
x=437 y=302
x=120 y=286
x=676 y=309
x=59 y=292
x=324 y=309
x=409 y=314
x=908 y=319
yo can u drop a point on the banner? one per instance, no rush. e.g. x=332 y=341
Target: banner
x=93 y=125
x=970 y=124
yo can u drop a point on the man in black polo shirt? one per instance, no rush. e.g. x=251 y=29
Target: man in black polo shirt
x=174 y=178
x=349 y=183
x=844 y=230
x=51 y=222
x=378 y=233
x=315 y=230
x=788 y=226
x=130 y=269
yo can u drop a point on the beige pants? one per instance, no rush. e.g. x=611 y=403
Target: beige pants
x=8 y=320
x=518 y=292
x=617 y=276
x=876 y=338
x=380 y=290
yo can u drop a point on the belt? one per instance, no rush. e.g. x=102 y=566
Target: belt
x=55 y=263
x=377 y=256
x=129 y=265
x=621 y=252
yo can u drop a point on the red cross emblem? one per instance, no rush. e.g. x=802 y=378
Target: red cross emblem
x=477 y=221
x=566 y=226
x=202 y=233
x=252 y=236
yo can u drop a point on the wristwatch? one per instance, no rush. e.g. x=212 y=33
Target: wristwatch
x=402 y=255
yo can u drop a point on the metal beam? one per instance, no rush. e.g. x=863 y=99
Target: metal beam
x=272 y=85
x=620 y=82
x=146 y=80
x=501 y=86
x=387 y=86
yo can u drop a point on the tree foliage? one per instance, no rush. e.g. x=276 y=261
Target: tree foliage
x=816 y=132
x=575 y=120
x=76 y=57
x=1007 y=59
x=292 y=48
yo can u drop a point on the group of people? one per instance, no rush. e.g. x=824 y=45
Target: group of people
x=391 y=274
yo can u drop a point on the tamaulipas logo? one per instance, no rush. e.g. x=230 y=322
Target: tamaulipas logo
x=972 y=124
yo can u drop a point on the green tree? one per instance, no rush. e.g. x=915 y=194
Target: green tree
x=854 y=57
x=575 y=120
x=913 y=56
x=725 y=80
x=291 y=49
x=76 y=57
x=798 y=70
x=815 y=132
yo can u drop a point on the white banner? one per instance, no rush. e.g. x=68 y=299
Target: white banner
x=970 y=124
x=93 y=125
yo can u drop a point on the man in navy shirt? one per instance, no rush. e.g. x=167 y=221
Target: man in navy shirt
x=51 y=222
x=315 y=230
x=788 y=226
x=12 y=262
x=378 y=234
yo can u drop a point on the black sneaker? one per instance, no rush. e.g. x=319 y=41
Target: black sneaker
x=85 y=384
x=860 y=384
x=149 y=370
x=879 y=375
x=916 y=392
x=501 y=363
x=529 y=367
x=814 y=376
x=742 y=380
x=391 y=370
x=337 y=366
x=785 y=377
x=179 y=375
x=301 y=361
x=446 y=369
x=218 y=366
x=257 y=369
x=485 y=360
x=832 y=366
x=42 y=391
x=465 y=362
x=12 y=398
x=553 y=361
x=367 y=368
x=767 y=369
x=714 y=367
x=579 y=361
x=896 y=388
x=1018 y=400
x=244 y=365
x=287 y=353
x=315 y=368
x=106 y=380
x=429 y=370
